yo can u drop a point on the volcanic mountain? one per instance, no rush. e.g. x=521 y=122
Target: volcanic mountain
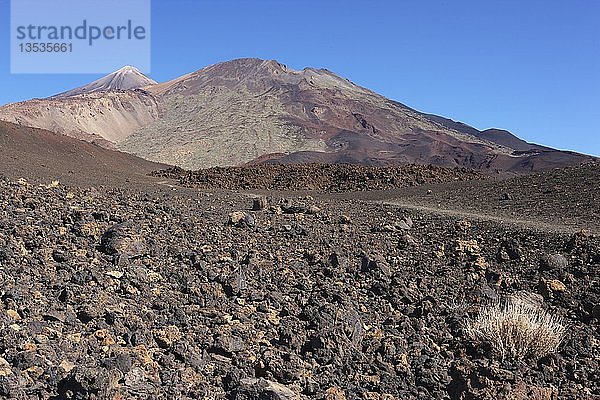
x=125 y=78
x=254 y=111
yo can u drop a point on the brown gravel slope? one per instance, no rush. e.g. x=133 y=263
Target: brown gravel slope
x=43 y=156
x=557 y=200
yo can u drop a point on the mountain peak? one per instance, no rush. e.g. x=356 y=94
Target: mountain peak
x=126 y=69
x=255 y=75
x=272 y=113
x=125 y=78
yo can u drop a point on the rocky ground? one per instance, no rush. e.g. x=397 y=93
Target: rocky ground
x=320 y=177
x=187 y=294
x=563 y=199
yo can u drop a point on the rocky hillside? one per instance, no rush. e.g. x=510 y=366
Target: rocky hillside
x=254 y=111
x=321 y=177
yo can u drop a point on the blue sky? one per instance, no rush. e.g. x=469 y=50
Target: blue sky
x=532 y=67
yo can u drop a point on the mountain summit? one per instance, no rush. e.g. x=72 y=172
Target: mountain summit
x=250 y=111
x=125 y=78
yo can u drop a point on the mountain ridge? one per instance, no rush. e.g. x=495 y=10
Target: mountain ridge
x=251 y=110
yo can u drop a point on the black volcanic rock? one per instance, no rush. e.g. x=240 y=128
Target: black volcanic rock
x=300 y=305
x=328 y=177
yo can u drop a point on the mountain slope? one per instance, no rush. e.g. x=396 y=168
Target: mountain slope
x=252 y=111
x=104 y=118
x=44 y=156
x=249 y=110
x=498 y=136
x=505 y=138
x=258 y=107
x=125 y=78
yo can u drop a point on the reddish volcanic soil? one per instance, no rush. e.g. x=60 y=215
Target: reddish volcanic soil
x=42 y=156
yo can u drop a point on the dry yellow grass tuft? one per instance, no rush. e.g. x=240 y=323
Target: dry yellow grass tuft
x=517 y=328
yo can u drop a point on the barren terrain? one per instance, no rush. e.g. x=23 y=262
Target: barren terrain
x=42 y=156
x=144 y=289
x=260 y=111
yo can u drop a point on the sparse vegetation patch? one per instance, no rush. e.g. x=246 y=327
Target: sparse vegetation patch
x=517 y=328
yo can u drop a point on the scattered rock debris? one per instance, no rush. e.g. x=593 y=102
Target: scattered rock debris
x=114 y=294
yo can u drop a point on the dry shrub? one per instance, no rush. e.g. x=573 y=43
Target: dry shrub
x=523 y=391
x=516 y=328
